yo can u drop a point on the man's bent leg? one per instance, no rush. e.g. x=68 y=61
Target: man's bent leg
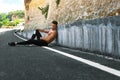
x=37 y=34
x=33 y=36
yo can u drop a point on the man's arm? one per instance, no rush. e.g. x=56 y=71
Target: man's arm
x=42 y=30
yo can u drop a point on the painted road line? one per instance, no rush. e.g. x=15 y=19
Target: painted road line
x=91 y=63
x=4 y=30
x=20 y=37
x=88 y=62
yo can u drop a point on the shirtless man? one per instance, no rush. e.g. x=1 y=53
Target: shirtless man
x=41 y=41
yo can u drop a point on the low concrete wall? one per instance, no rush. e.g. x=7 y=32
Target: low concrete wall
x=99 y=35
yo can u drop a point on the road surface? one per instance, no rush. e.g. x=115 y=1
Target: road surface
x=39 y=63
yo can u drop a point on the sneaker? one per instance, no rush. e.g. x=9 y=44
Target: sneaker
x=12 y=44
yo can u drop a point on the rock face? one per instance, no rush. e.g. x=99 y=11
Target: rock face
x=66 y=11
x=33 y=16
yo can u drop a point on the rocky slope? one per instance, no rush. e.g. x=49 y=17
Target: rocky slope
x=66 y=11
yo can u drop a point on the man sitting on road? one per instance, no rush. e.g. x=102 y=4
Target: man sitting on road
x=41 y=41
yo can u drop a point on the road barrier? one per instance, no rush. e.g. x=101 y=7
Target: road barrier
x=99 y=35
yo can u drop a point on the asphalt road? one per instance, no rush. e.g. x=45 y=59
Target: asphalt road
x=37 y=63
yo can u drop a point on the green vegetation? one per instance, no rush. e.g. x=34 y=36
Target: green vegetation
x=11 y=18
x=44 y=10
x=18 y=13
x=0 y=24
x=57 y=2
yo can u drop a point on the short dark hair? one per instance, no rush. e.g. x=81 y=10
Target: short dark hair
x=55 y=22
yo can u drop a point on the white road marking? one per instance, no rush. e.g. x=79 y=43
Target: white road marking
x=20 y=37
x=88 y=62
x=4 y=30
x=91 y=63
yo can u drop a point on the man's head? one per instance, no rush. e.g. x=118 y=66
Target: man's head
x=54 y=25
